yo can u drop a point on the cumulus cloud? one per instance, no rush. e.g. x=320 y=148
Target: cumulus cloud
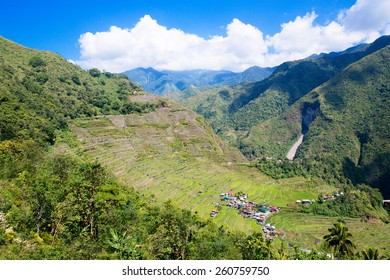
x=371 y=17
x=150 y=44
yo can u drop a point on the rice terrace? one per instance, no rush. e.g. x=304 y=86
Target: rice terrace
x=158 y=155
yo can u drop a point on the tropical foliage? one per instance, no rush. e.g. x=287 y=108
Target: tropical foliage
x=340 y=241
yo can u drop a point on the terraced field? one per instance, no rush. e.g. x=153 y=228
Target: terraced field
x=307 y=231
x=173 y=154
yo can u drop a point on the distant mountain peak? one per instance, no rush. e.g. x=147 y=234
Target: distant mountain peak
x=155 y=81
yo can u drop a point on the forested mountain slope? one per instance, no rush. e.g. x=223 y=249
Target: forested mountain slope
x=264 y=119
x=345 y=121
x=40 y=90
x=233 y=111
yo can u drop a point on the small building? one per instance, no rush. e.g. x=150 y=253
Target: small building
x=260 y=219
x=306 y=202
x=214 y=213
x=263 y=209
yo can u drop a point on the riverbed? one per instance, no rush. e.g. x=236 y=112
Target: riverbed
x=291 y=153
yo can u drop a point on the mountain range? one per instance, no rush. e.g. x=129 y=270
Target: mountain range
x=166 y=82
x=336 y=100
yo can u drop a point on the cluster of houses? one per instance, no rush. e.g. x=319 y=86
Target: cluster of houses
x=269 y=232
x=250 y=210
x=334 y=196
x=326 y=198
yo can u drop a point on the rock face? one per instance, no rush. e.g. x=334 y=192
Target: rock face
x=309 y=113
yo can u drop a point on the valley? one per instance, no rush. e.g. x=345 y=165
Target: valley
x=173 y=154
x=336 y=101
x=156 y=154
x=93 y=167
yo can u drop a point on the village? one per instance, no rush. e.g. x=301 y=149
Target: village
x=259 y=212
x=248 y=210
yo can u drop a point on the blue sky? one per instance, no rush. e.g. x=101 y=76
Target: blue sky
x=62 y=27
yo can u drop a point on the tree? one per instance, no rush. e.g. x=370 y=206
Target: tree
x=124 y=246
x=255 y=247
x=174 y=238
x=340 y=241
x=371 y=254
x=36 y=61
x=94 y=72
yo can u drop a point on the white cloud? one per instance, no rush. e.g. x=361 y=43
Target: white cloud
x=302 y=37
x=150 y=44
x=367 y=16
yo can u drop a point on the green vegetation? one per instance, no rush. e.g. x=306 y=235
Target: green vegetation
x=347 y=141
x=172 y=165
x=339 y=239
x=40 y=91
x=234 y=111
x=69 y=208
x=78 y=180
x=339 y=101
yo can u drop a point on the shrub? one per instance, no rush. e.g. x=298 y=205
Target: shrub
x=94 y=72
x=76 y=80
x=36 y=61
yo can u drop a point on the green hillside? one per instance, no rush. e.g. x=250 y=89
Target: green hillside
x=233 y=111
x=173 y=154
x=264 y=119
x=41 y=90
x=351 y=125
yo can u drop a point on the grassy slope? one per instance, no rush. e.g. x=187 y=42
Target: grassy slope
x=172 y=154
x=307 y=231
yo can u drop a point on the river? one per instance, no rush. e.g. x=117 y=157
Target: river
x=291 y=153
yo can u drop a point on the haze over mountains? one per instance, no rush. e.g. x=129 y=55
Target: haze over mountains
x=165 y=82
